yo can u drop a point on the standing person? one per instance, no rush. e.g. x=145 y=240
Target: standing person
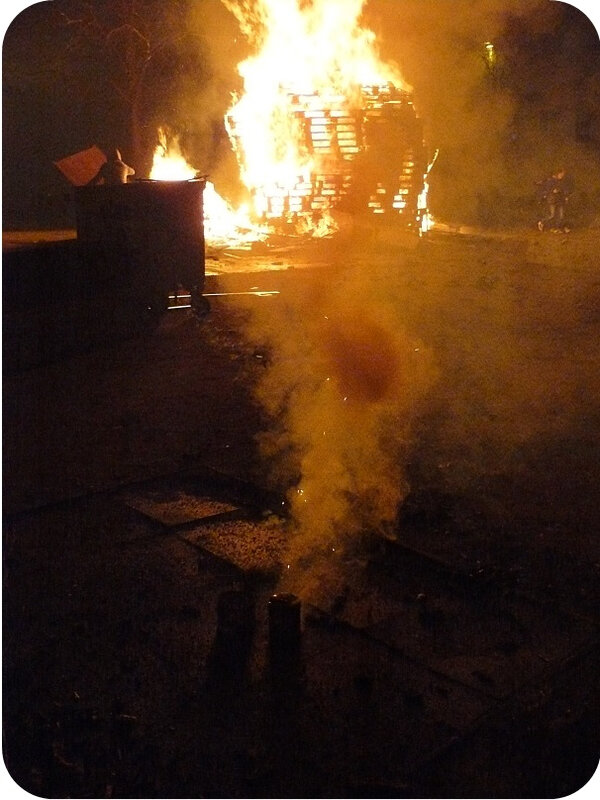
x=113 y=171
x=556 y=191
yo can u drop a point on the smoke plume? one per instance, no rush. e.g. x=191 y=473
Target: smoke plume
x=343 y=381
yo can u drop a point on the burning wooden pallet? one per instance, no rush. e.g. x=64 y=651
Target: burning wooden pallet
x=369 y=158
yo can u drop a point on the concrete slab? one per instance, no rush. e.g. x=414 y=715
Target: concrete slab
x=172 y=507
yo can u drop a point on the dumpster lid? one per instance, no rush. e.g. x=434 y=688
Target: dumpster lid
x=81 y=167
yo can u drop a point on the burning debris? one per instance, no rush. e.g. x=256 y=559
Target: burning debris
x=369 y=159
x=321 y=128
x=323 y=123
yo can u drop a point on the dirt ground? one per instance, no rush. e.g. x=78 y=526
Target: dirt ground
x=457 y=657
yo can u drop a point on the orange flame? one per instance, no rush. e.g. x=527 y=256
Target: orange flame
x=222 y=224
x=169 y=163
x=299 y=121
x=316 y=53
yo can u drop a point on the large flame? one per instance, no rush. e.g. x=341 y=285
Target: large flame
x=300 y=121
x=312 y=60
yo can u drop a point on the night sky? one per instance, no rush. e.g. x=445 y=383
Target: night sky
x=70 y=82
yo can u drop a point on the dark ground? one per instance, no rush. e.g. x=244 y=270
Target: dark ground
x=460 y=660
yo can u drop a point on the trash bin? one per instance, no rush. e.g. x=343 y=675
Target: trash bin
x=145 y=239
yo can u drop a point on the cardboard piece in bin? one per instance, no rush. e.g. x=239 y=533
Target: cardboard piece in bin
x=81 y=167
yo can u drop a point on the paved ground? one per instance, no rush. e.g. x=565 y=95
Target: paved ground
x=450 y=653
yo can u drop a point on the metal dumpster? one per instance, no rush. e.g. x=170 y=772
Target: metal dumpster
x=145 y=240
